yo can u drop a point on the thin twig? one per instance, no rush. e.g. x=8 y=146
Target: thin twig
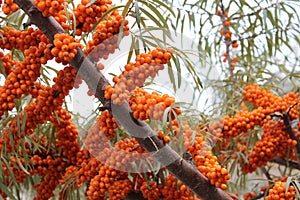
x=259 y=196
x=266 y=173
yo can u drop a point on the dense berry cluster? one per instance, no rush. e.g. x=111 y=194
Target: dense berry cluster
x=119 y=189
x=86 y=15
x=15 y=39
x=135 y=74
x=151 y=191
x=107 y=123
x=208 y=164
x=21 y=80
x=243 y=121
x=7 y=62
x=65 y=46
x=49 y=7
x=150 y=105
x=275 y=141
x=9 y=7
x=175 y=189
x=260 y=97
x=279 y=192
x=105 y=38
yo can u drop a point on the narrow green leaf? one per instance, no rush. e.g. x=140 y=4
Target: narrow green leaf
x=12 y=141
x=151 y=16
x=21 y=165
x=271 y=18
x=178 y=68
x=4 y=189
x=137 y=14
x=169 y=8
x=11 y=173
x=2 y=70
x=90 y=3
x=130 y=50
x=126 y=8
x=270 y=46
x=155 y=11
x=171 y=76
x=121 y=31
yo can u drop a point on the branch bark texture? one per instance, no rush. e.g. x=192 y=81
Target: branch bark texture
x=86 y=69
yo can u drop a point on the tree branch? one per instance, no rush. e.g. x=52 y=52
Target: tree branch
x=180 y=168
x=287 y=163
x=289 y=130
x=266 y=173
x=134 y=196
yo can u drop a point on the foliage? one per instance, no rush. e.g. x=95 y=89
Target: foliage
x=244 y=54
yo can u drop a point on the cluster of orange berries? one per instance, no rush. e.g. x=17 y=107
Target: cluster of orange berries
x=16 y=84
x=100 y=183
x=119 y=189
x=42 y=163
x=105 y=38
x=125 y=154
x=21 y=39
x=65 y=46
x=208 y=164
x=243 y=121
x=48 y=7
x=226 y=23
x=21 y=78
x=275 y=141
x=266 y=102
x=9 y=7
x=227 y=34
x=86 y=15
x=48 y=99
x=279 y=192
x=107 y=123
x=14 y=167
x=46 y=187
x=55 y=9
x=66 y=135
x=150 y=105
x=7 y=62
x=175 y=189
x=151 y=190
x=251 y=195
x=135 y=74
x=262 y=98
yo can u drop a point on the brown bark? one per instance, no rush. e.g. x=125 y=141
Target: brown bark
x=86 y=69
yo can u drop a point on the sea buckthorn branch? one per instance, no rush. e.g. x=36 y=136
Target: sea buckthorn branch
x=227 y=37
x=266 y=173
x=289 y=130
x=285 y=162
x=183 y=170
x=134 y=196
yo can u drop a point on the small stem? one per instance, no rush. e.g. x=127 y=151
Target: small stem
x=259 y=196
x=266 y=173
x=227 y=40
